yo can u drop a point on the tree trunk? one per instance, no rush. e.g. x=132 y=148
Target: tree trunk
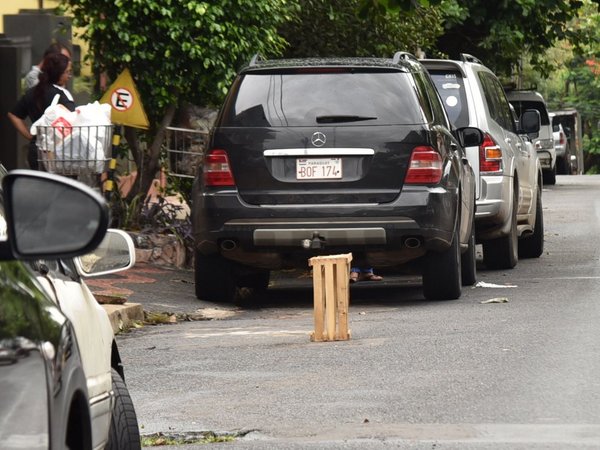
x=147 y=162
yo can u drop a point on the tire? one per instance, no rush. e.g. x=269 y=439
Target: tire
x=442 y=272
x=550 y=177
x=502 y=253
x=561 y=166
x=124 y=432
x=468 y=262
x=533 y=246
x=214 y=279
x=258 y=280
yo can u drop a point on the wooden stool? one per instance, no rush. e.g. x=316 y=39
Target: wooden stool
x=331 y=297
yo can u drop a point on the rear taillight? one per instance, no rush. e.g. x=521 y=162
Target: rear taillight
x=562 y=139
x=425 y=166
x=217 y=171
x=490 y=155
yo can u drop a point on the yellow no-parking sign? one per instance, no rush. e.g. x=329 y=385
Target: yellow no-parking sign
x=124 y=99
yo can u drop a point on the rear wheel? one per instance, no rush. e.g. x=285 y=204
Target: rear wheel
x=550 y=177
x=214 y=278
x=502 y=253
x=124 y=432
x=442 y=272
x=468 y=262
x=533 y=246
x=258 y=280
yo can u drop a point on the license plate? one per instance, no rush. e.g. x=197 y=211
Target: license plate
x=318 y=168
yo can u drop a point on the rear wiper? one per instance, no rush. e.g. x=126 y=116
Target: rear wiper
x=340 y=118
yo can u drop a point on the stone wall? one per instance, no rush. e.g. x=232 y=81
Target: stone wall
x=160 y=249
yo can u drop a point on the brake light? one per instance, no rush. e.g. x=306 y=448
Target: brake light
x=490 y=155
x=562 y=139
x=425 y=166
x=217 y=171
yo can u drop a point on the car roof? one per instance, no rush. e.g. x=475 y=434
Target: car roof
x=524 y=95
x=402 y=61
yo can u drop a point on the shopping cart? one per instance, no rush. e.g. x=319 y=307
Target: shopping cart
x=79 y=152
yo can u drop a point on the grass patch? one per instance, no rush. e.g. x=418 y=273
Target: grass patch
x=203 y=437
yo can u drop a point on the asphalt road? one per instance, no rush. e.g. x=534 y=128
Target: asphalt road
x=416 y=374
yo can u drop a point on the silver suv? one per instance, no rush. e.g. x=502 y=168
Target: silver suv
x=509 y=221
x=543 y=140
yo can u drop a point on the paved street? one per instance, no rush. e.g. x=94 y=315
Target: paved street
x=416 y=374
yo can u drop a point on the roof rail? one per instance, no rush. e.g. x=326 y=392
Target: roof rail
x=403 y=55
x=255 y=59
x=465 y=57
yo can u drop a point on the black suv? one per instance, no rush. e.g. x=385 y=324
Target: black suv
x=327 y=156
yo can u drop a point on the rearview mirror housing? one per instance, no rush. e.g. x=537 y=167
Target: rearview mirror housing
x=49 y=216
x=469 y=136
x=115 y=253
x=530 y=123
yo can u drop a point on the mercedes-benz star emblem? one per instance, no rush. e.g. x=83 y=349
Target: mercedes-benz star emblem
x=318 y=139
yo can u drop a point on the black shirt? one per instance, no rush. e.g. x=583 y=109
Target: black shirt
x=27 y=107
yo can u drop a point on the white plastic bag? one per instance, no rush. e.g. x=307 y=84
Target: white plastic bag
x=74 y=141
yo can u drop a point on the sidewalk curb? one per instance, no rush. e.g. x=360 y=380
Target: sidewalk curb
x=122 y=316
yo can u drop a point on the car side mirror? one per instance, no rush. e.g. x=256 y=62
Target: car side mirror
x=115 y=253
x=469 y=136
x=530 y=123
x=49 y=217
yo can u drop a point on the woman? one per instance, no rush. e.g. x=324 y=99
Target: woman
x=56 y=71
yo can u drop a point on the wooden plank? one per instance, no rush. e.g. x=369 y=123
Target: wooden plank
x=342 y=275
x=319 y=302
x=330 y=300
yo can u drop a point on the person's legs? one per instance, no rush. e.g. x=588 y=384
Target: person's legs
x=368 y=275
x=354 y=274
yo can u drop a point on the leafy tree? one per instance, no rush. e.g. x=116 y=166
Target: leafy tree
x=348 y=28
x=576 y=82
x=499 y=33
x=177 y=50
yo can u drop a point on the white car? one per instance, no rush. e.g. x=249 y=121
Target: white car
x=113 y=418
x=63 y=335
x=543 y=140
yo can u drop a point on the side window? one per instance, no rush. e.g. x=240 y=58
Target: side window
x=499 y=112
x=423 y=97
x=504 y=111
x=436 y=103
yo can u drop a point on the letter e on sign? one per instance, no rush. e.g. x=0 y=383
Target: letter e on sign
x=121 y=99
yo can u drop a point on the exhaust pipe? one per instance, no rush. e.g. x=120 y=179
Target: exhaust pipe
x=412 y=242
x=228 y=245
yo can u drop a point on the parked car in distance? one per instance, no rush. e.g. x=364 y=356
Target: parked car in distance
x=561 y=146
x=327 y=156
x=570 y=119
x=112 y=417
x=44 y=400
x=543 y=139
x=509 y=217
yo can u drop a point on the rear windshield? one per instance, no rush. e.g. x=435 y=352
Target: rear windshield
x=316 y=98
x=522 y=106
x=451 y=87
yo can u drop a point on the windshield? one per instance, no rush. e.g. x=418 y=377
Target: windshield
x=312 y=98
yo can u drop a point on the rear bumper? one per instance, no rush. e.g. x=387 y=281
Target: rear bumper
x=492 y=217
x=273 y=237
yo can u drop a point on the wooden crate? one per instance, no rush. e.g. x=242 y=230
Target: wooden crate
x=331 y=297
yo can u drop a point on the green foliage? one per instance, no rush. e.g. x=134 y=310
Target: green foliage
x=178 y=49
x=576 y=82
x=334 y=28
x=501 y=33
